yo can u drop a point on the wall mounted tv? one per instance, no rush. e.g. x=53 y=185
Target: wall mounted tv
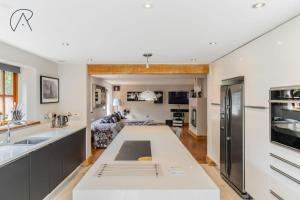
x=181 y=97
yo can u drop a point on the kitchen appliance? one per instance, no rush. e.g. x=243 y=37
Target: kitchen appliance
x=285 y=116
x=232 y=152
x=135 y=150
x=62 y=120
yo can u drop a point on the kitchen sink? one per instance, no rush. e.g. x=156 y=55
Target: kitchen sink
x=33 y=141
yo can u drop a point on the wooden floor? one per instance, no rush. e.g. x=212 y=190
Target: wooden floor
x=96 y=153
x=197 y=148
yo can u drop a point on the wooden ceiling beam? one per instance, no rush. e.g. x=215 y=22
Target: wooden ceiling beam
x=96 y=69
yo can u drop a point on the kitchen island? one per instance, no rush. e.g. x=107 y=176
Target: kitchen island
x=176 y=174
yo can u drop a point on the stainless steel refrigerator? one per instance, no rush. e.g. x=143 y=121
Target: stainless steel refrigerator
x=232 y=152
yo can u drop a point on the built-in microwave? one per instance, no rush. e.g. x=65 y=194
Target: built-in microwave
x=285 y=116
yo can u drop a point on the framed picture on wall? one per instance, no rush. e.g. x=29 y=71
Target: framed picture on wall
x=98 y=96
x=134 y=96
x=49 y=90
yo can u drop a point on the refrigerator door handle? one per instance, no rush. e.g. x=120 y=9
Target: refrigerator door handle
x=228 y=135
x=225 y=132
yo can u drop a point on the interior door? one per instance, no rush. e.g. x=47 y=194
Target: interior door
x=236 y=123
x=223 y=130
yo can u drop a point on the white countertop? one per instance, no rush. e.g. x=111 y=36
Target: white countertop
x=167 y=151
x=9 y=153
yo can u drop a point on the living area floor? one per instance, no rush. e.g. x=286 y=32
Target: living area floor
x=197 y=148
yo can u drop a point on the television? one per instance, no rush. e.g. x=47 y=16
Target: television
x=181 y=97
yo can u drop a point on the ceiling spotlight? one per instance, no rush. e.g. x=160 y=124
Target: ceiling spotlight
x=147 y=5
x=65 y=44
x=279 y=42
x=258 y=5
x=212 y=43
x=147 y=56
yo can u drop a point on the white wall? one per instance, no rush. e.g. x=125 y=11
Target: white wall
x=74 y=85
x=32 y=67
x=270 y=61
x=73 y=90
x=149 y=110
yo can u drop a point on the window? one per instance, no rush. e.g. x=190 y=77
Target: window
x=8 y=92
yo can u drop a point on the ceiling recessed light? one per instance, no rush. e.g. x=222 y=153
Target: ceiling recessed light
x=147 y=5
x=66 y=44
x=212 y=43
x=258 y=5
x=279 y=43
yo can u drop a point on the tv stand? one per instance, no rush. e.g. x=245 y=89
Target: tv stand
x=179 y=110
x=178 y=119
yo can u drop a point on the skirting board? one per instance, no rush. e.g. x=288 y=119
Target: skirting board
x=63 y=184
x=210 y=162
x=198 y=137
x=88 y=161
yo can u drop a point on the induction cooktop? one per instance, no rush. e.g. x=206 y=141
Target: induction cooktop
x=135 y=150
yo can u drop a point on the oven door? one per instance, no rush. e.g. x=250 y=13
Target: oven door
x=285 y=123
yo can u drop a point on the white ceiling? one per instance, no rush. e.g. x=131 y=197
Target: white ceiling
x=120 y=31
x=149 y=79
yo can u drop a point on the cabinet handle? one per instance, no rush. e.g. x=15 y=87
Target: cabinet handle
x=215 y=104
x=285 y=160
x=257 y=107
x=276 y=195
x=285 y=174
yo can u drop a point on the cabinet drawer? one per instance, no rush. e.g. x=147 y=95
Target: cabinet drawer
x=285 y=166
x=286 y=153
x=283 y=186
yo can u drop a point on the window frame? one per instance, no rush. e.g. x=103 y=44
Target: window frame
x=14 y=94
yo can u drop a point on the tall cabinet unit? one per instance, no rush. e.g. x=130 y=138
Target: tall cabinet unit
x=198 y=116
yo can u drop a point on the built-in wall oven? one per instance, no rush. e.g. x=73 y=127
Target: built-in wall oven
x=285 y=116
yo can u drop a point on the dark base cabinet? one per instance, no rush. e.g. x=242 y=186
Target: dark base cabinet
x=55 y=165
x=39 y=173
x=73 y=144
x=34 y=176
x=14 y=180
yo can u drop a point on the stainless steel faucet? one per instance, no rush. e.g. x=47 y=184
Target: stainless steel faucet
x=8 y=133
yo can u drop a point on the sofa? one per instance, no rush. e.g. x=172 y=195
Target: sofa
x=104 y=130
